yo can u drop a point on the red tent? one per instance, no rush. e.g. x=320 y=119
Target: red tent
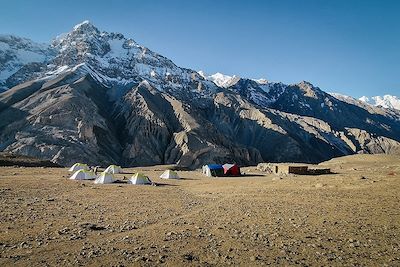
x=231 y=169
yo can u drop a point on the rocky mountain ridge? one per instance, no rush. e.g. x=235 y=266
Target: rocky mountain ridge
x=102 y=98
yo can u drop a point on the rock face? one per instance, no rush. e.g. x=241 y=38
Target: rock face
x=101 y=98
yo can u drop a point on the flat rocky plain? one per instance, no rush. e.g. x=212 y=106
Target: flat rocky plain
x=350 y=218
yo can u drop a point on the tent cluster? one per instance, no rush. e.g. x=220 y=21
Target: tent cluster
x=83 y=172
x=218 y=170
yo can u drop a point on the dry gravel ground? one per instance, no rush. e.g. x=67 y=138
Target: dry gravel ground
x=351 y=218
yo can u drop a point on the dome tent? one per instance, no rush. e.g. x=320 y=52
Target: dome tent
x=113 y=169
x=231 y=169
x=139 y=178
x=105 y=178
x=78 y=166
x=213 y=170
x=83 y=175
x=169 y=174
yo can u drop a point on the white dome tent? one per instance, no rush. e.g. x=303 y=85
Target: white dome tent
x=113 y=169
x=105 y=178
x=169 y=174
x=139 y=178
x=83 y=175
x=78 y=166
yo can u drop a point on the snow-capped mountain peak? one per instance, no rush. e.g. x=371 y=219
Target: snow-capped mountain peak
x=85 y=26
x=364 y=99
x=84 y=37
x=220 y=79
x=111 y=55
x=261 y=81
x=386 y=101
x=202 y=74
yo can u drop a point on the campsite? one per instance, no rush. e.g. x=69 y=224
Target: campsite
x=82 y=171
x=346 y=218
x=200 y=133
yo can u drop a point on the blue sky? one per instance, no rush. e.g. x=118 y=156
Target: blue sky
x=350 y=47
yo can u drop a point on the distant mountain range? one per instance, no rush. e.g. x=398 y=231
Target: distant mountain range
x=386 y=101
x=102 y=98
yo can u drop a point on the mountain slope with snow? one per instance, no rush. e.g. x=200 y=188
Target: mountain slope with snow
x=16 y=52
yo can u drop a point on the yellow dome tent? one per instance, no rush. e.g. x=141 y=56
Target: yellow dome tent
x=83 y=175
x=105 y=178
x=78 y=166
x=113 y=169
x=169 y=174
x=139 y=178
